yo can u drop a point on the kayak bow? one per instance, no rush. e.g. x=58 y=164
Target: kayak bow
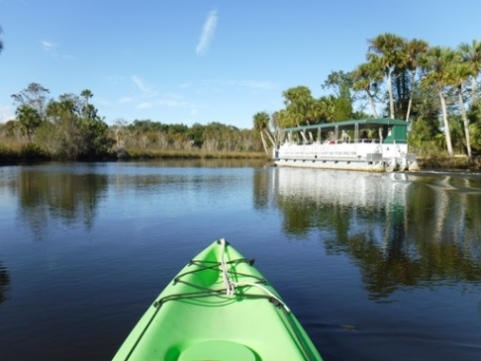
x=219 y=307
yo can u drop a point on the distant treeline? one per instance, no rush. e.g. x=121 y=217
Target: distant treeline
x=70 y=128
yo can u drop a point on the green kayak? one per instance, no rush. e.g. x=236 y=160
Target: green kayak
x=219 y=307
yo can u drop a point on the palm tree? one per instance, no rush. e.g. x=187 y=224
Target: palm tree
x=413 y=50
x=261 y=124
x=472 y=55
x=366 y=78
x=327 y=108
x=437 y=64
x=86 y=94
x=29 y=120
x=384 y=51
x=458 y=75
x=87 y=109
x=300 y=104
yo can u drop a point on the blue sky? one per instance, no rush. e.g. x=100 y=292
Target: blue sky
x=200 y=61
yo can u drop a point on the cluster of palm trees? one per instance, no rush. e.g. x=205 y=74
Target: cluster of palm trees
x=399 y=79
x=446 y=70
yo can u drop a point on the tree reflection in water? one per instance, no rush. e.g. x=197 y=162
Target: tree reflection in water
x=66 y=195
x=402 y=230
x=4 y=283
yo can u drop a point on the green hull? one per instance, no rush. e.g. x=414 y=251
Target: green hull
x=219 y=307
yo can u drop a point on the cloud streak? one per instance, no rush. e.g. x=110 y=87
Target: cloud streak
x=207 y=34
x=48 y=46
x=254 y=84
x=143 y=87
x=51 y=48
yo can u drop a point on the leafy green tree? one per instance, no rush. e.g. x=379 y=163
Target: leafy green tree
x=343 y=104
x=437 y=64
x=471 y=54
x=302 y=108
x=421 y=136
x=29 y=120
x=337 y=80
x=35 y=95
x=326 y=106
x=341 y=83
x=64 y=137
x=385 y=52
x=75 y=130
x=366 y=77
x=196 y=134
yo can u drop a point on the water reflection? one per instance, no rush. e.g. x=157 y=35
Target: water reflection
x=400 y=229
x=4 y=283
x=69 y=196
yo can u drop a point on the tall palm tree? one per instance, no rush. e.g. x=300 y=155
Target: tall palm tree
x=413 y=50
x=459 y=74
x=437 y=63
x=385 y=51
x=261 y=124
x=366 y=78
x=86 y=94
x=472 y=56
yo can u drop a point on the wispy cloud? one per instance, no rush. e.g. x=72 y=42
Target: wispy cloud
x=48 y=46
x=254 y=84
x=143 y=86
x=144 y=105
x=139 y=83
x=185 y=85
x=207 y=34
x=51 y=48
x=173 y=101
x=125 y=100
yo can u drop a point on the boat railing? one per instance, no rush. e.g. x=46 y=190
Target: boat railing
x=336 y=141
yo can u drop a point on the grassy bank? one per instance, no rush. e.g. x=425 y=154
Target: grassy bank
x=11 y=154
x=443 y=162
x=180 y=154
x=14 y=153
x=21 y=153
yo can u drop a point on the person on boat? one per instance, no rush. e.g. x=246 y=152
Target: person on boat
x=331 y=139
x=364 y=136
x=345 y=137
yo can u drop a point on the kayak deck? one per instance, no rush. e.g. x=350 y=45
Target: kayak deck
x=219 y=307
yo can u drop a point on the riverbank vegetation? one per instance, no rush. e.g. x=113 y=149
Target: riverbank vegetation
x=435 y=89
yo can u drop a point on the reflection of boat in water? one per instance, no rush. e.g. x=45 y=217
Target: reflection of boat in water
x=376 y=145
x=342 y=187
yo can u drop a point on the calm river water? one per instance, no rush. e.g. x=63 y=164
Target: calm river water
x=375 y=266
